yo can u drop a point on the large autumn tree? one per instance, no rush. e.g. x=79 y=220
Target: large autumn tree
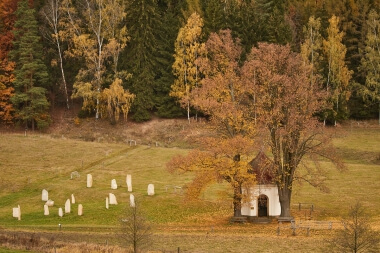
x=287 y=100
x=31 y=76
x=224 y=97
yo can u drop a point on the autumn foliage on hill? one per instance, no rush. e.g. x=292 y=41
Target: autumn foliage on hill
x=7 y=20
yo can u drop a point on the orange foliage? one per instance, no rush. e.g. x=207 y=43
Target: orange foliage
x=287 y=100
x=218 y=159
x=225 y=98
x=7 y=20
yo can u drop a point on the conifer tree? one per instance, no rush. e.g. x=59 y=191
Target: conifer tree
x=140 y=55
x=214 y=17
x=167 y=106
x=272 y=20
x=31 y=76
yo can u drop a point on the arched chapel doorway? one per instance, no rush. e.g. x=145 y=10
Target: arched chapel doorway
x=262 y=205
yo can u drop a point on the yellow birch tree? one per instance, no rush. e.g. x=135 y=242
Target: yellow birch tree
x=187 y=49
x=338 y=76
x=116 y=100
x=93 y=26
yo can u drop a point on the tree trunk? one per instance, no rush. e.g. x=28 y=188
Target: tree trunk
x=188 y=111
x=237 y=201
x=285 y=196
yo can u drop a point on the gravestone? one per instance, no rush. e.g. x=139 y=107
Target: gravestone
x=74 y=174
x=49 y=202
x=72 y=199
x=129 y=183
x=113 y=184
x=60 y=212
x=150 y=189
x=17 y=212
x=68 y=206
x=80 y=210
x=45 y=195
x=132 y=200
x=89 y=180
x=112 y=199
x=107 y=203
x=46 y=210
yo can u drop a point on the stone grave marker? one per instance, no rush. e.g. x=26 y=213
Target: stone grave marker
x=89 y=180
x=107 y=203
x=45 y=195
x=68 y=206
x=74 y=174
x=49 y=202
x=113 y=184
x=72 y=199
x=17 y=212
x=132 y=200
x=80 y=210
x=150 y=189
x=60 y=212
x=112 y=199
x=46 y=210
x=129 y=183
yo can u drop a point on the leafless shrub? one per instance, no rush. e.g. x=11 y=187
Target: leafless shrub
x=135 y=230
x=356 y=235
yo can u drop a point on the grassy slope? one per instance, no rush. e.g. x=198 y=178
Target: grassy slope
x=30 y=164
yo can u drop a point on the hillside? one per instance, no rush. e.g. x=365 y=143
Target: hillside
x=39 y=161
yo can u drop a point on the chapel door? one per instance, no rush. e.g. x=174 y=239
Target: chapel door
x=263 y=206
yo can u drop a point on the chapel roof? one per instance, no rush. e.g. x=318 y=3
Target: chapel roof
x=263 y=167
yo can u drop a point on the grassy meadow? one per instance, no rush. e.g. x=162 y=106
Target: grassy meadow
x=31 y=163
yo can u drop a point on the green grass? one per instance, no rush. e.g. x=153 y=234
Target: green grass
x=32 y=163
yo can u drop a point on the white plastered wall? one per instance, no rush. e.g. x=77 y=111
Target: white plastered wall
x=271 y=191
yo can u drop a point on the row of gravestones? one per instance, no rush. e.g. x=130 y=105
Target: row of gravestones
x=114 y=184
x=110 y=200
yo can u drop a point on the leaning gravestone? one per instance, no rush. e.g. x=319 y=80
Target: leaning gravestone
x=129 y=183
x=89 y=180
x=132 y=200
x=60 y=212
x=68 y=206
x=72 y=199
x=107 y=203
x=112 y=199
x=113 y=184
x=46 y=210
x=80 y=210
x=151 y=189
x=45 y=195
x=49 y=202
